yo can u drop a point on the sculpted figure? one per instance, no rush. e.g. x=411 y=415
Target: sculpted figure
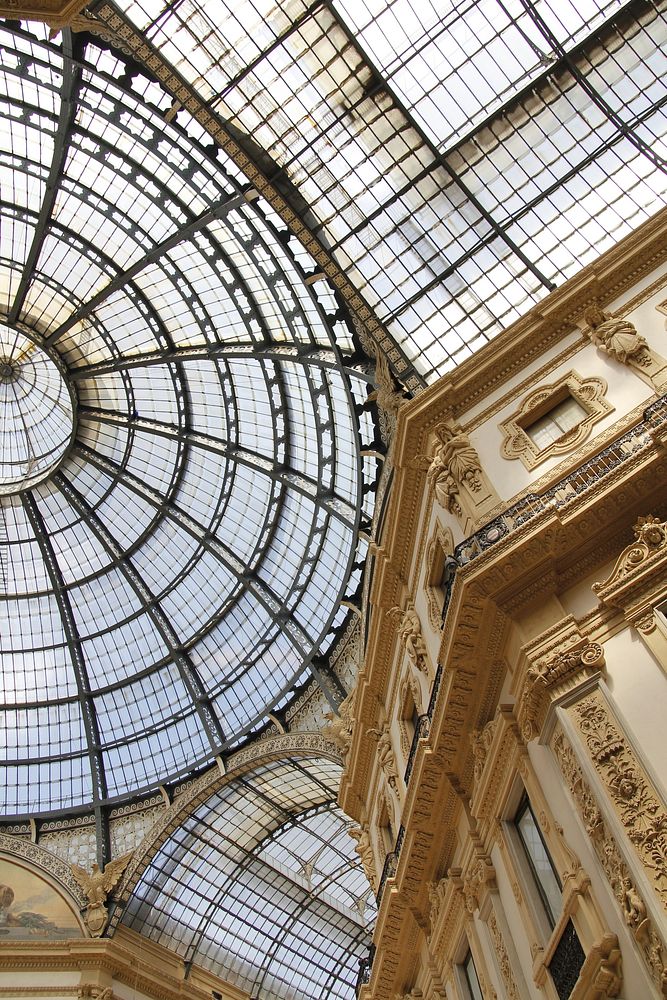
x=454 y=462
x=409 y=631
x=97 y=885
x=365 y=851
x=339 y=727
x=386 y=395
x=385 y=753
x=617 y=337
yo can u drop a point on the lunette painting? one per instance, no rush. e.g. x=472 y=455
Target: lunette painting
x=30 y=907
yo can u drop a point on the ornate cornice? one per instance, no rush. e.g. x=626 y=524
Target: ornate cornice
x=639 y=574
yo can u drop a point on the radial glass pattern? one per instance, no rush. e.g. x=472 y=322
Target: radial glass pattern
x=36 y=412
x=170 y=581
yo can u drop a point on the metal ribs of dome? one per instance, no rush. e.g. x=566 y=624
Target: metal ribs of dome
x=169 y=583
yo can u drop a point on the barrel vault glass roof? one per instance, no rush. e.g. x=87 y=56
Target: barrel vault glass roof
x=261 y=884
x=460 y=157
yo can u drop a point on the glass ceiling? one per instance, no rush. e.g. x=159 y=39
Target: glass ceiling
x=460 y=157
x=261 y=885
x=171 y=580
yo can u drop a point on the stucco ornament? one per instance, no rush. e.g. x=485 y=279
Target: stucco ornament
x=616 y=337
x=454 y=463
x=97 y=885
x=365 y=851
x=339 y=727
x=409 y=632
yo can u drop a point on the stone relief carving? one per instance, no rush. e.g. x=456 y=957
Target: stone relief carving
x=97 y=885
x=640 y=808
x=618 y=874
x=365 y=851
x=339 y=728
x=409 y=632
x=616 y=337
x=436 y=896
x=560 y=666
x=479 y=878
x=385 y=755
x=503 y=959
x=454 y=463
x=651 y=539
x=480 y=741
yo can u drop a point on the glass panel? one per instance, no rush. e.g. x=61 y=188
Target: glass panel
x=540 y=861
x=471 y=978
x=557 y=422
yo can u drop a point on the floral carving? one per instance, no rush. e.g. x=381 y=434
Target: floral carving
x=650 y=541
x=503 y=959
x=640 y=808
x=627 y=895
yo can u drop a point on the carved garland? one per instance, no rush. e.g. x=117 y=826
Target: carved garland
x=632 y=905
x=503 y=959
x=641 y=811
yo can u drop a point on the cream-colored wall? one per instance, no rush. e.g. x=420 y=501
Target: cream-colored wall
x=625 y=392
x=639 y=688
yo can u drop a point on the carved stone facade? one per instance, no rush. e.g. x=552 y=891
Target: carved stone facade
x=530 y=729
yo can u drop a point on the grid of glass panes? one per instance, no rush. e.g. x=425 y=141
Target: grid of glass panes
x=449 y=241
x=175 y=575
x=262 y=884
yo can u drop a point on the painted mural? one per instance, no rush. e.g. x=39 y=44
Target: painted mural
x=31 y=908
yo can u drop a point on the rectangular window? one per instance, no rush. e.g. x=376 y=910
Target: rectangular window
x=471 y=978
x=539 y=860
x=561 y=418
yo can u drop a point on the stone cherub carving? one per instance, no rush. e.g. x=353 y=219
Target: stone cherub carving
x=454 y=462
x=339 y=727
x=97 y=885
x=616 y=337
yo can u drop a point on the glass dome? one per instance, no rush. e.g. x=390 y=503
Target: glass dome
x=36 y=412
x=170 y=572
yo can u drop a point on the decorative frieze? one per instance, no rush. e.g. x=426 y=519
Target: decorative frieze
x=635 y=799
x=617 y=872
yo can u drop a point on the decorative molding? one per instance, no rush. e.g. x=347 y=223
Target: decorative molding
x=617 y=872
x=50 y=864
x=638 y=804
x=504 y=962
x=589 y=393
x=638 y=579
x=546 y=679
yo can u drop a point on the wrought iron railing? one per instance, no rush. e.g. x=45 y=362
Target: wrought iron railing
x=364 y=974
